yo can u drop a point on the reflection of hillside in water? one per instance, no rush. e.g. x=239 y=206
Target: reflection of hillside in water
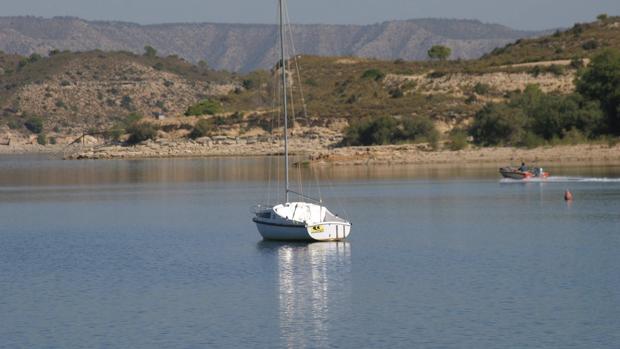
x=31 y=170
x=314 y=280
x=36 y=171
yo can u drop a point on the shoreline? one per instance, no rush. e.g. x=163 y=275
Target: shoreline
x=419 y=155
x=317 y=153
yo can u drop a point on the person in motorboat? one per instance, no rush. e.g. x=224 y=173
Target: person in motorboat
x=523 y=172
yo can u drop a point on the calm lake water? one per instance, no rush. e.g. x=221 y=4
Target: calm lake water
x=163 y=254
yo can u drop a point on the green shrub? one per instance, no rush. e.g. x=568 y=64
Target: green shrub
x=498 y=124
x=369 y=131
x=590 y=45
x=373 y=74
x=576 y=63
x=249 y=84
x=311 y=82
x=536 y=71
x=139 y=132
x=600 y=82
x=388 y=130
x=482 y=88
x=533 y=117
x=53 y=140
x=42 y=139
x=419 y=129
x=204 y=107
x=550 y=115
x=131 y=119
x=235 y=118
x=114 y=134
x=14 y=124
x=34 y=58
x=458 y=139
x=574 y=136
x=396 y=93
x=471 y=99
x=352 y=99
x=34 y=124
x=202 y=128
x=436 y=74
x=531 y=141
x=60 y=104
x=127 y=103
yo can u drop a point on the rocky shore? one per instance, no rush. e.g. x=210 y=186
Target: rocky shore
x=206 y=146
x=323 y=151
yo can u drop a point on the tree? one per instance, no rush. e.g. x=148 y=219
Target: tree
x=149 y=51
x=554 y=115
x=498 y=124
x=202 y=64
x=602 y=17
x=601 y=82
x=439 y=52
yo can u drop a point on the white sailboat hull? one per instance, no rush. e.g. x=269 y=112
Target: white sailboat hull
x=330 y=231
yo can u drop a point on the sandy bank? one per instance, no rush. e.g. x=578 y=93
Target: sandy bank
x=420 y=154
x=320 y=152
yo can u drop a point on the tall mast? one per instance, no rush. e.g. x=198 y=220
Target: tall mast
x=283 y=67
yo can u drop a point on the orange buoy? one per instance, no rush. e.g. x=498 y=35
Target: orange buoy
x=568 y=196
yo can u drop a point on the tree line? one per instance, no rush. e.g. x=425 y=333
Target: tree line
x=531 y=117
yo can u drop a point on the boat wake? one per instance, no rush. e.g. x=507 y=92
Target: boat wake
x=562 y=179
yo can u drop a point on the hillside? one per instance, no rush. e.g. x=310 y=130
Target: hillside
x=245 y=47
x=582 y=40
x=451 y=90
x=73 y=92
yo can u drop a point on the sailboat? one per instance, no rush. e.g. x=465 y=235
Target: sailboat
x=298 y=220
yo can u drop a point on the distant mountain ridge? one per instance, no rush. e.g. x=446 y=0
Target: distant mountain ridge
x=244 y=47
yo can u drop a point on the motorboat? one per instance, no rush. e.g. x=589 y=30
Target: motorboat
x=520 y=174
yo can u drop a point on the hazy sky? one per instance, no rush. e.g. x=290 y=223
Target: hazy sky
x=518 y=14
